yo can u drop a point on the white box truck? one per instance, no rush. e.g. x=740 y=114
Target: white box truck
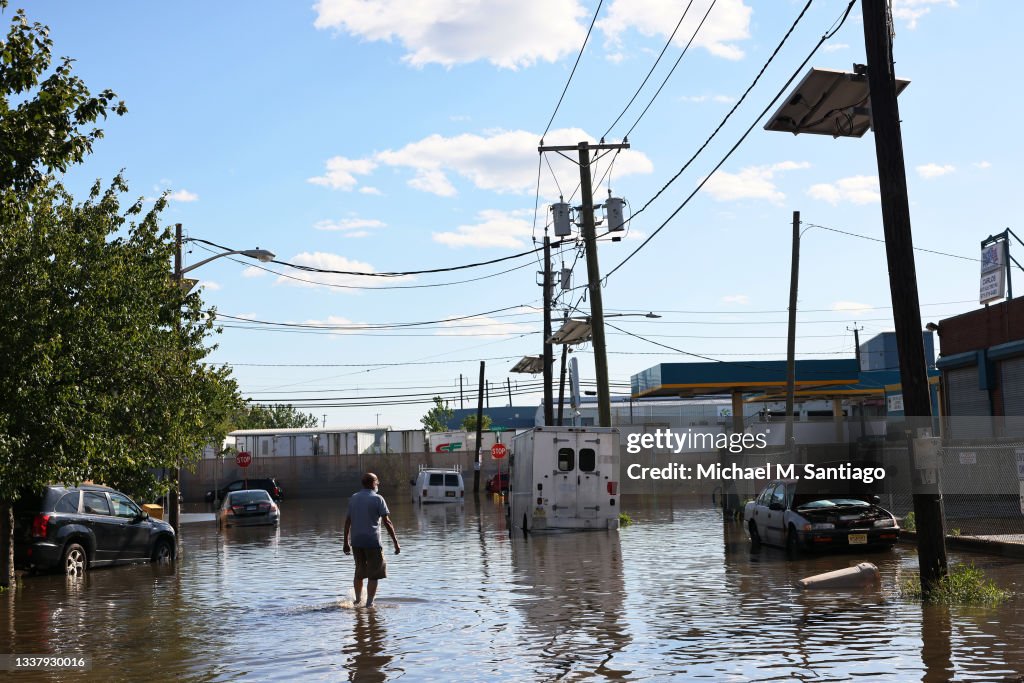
x=565 y=478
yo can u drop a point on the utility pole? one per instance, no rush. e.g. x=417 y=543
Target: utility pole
x=856 y=343
x=508 y=383
x=461 y=402
x=604 y=403
x=325 y=421
x=479 y=429
x=488 y=395
x=794 y=278
x=173 y=497
x=548 y=358
x=561 y=384
x=899 y=249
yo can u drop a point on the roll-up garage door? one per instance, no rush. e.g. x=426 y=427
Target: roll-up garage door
x=969 y=408
x=1012 y=376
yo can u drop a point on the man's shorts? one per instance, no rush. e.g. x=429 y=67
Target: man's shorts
x=370 y=563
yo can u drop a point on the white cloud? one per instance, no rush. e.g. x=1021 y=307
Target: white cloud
x=700 y=99
x=370 y=190
x=341 y=172
x=183 y=195
x=741 y=299
x=328 y=261
x=348 y=224
x=982 y=164
x=851 y=306
x=508 y=33
x=615 y=57
x=356 y=234
x=934 y=170
x=910 y=11
x=509 y=229
x=210 y=285
x=836 y=47
x=859 y=189
x=753 y=182
x=728 y=22
x=500 y=161
x=253 y=271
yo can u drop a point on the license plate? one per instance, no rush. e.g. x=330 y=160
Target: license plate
x=252 y=508
x=449 y=494
x=858 y=539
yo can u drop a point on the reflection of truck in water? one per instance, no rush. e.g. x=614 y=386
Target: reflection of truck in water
x=565 y=478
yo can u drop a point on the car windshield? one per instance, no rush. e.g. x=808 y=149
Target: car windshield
x=248 y=497
x=829 y=503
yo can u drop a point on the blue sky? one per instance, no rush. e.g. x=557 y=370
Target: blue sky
x=401 y=135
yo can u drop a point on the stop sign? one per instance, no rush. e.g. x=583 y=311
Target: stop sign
x=243 y=459
x=499 y=451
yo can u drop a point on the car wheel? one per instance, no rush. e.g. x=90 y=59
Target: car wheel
x=755 y=538
x=792 y=541
x=76 y=561
x=163 y=552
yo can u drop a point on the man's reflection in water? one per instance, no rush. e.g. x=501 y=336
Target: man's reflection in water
x=365 y=657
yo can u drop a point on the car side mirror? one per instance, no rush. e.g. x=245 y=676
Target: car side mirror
x=876 y=500
x=142 y=516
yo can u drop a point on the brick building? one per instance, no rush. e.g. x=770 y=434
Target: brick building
x=982 y=364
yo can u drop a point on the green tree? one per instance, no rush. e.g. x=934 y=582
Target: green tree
x=469 y=423
x=278 y=416
x=101 y=373
x=44 y=117
x=437 y=418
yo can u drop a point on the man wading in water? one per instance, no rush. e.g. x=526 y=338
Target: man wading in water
x=366 y=509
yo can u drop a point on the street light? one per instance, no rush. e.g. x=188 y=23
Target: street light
x=578 y=331
x=262 y=255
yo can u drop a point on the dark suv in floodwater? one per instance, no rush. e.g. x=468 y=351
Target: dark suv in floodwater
x=77 y=527
x=268 y=484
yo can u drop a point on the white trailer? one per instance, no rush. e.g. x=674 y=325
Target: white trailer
x=565 y=478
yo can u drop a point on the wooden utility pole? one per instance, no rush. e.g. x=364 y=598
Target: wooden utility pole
x=794 y=277
x=479 y=429
x=604 y=403
x=549 y=360
x=899 y=249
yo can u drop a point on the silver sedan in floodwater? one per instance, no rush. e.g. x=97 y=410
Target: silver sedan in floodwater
x=248 y=508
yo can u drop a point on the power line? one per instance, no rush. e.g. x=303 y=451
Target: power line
x=878 y=239
x=357 y=273
x=743 y=137
x=673 y=70
x=653 y=67
x=368 y=287
x=573 y=72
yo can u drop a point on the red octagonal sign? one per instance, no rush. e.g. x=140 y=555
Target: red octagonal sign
x=499 y=451
x=243 y=459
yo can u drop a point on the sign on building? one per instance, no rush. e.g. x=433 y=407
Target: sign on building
x=993 y=272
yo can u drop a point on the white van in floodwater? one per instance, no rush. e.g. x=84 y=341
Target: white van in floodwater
x=565 y=478
x=439 y=485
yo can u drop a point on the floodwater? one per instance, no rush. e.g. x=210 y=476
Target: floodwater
x=677 y=595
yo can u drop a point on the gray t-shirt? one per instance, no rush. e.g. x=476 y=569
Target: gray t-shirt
x=365 y=509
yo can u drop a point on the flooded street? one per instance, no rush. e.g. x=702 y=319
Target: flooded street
x=676 y=594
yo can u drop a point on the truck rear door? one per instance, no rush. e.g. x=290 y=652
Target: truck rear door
x=564 y=504
x=588 y=476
